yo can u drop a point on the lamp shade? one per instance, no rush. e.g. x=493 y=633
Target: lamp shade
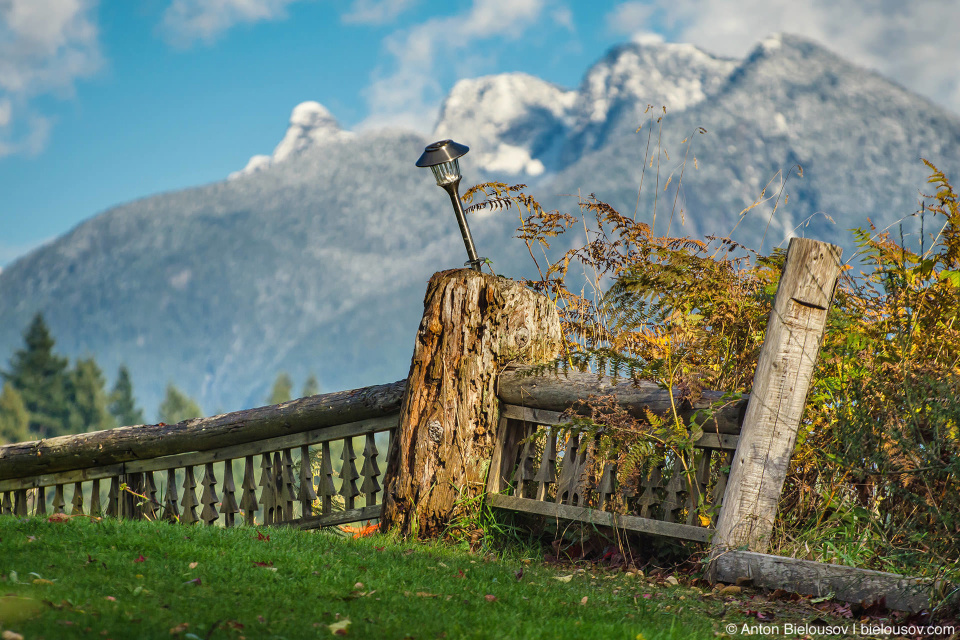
x=441 y=152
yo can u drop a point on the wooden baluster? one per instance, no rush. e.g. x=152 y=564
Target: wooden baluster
x=113 y=498
x=307 y=492
x=568 y=470
x=77 y=502
x=672 y=493
x=20 y=502
x=325 y=488
x=608 y=480
x=132 y=502
x=268 y=495
x=525 y=473
x=370 y=471
x=189 y=502
x=249 y=500
x=40 y=509
x=547 y=474
x=726 y=459
x=278 y=492
x=150 y=491
x=650 y=499
x=348 y=475
x=58 y=501
x=289 y=485
x=229 y=507
x=171 y=510
x=698 y=487
x=5 y=507
x=209 y=497
x=95 y=507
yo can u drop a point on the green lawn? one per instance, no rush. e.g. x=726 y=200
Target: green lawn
x=108 y=579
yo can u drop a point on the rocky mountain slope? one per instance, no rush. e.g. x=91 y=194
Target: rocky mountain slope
x=316 y=259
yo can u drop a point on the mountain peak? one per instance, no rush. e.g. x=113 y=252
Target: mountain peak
x=311 y=124
x=527 y=111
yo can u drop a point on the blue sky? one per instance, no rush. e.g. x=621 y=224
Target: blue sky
x=105 y=102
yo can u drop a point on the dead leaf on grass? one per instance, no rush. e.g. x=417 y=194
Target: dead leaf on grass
x=11 y=635
x=58 y=517
x=490 y=597
x=180 y=628
x=193 y=565
x=563 y=578
x=340 y=628
x=584 y=599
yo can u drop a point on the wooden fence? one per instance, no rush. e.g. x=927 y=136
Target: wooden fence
x=309 y=463
x=494 y=428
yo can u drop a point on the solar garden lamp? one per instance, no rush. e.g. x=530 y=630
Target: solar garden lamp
x=442 y=158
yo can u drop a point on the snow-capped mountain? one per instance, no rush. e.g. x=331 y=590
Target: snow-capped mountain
x=301 y=263
x=311 y=125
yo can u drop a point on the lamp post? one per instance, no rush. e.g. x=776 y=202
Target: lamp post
x=442 y=158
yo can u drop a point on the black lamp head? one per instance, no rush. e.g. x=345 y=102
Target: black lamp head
x=441 y=157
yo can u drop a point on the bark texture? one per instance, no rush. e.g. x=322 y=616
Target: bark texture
x=473 y=326
x=560 y=390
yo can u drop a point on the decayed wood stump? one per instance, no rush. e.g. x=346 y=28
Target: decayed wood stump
x=473 y=326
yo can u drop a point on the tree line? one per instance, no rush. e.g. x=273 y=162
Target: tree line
x=44 y=397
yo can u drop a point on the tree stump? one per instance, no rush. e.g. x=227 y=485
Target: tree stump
x=473 y=326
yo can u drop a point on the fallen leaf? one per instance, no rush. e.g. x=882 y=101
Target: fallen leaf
x=262 y=537
x=11 y=635
x=647 y=596
x=584 y=599
x=519 y=575
x=358 y=586
x=361 y=532
x=263 y=564
x=340 y=627
x=730 y=590
x=195 y=581
x=233 y=624
x=424 y=594
x=140 y=558
x=460 y=574
x=58 y=517
x=193 y=565
x=672 y=580
x=490 y=597
x=111 y=599
x=563 y=578
x=180 y=628
x=42 y=581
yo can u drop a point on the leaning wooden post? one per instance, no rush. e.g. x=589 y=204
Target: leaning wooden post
x=780 y=385
x=473 y=326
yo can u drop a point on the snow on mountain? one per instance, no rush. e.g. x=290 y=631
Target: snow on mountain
x=513 y=121
x=311 y=124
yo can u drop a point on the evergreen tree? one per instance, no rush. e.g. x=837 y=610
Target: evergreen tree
x=282 y=389
x=88 y=399
x=177 y=407
x=41 y=378
x=311 y=387
x=14 y=419
x=123 y=407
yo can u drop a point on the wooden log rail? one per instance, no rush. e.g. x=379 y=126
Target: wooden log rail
x=296 y=463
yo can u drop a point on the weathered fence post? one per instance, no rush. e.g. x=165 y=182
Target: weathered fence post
x=473 y=326
x=780 y=385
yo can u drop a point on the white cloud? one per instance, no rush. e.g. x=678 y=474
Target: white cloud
x=45 y=45
x=910 y=42
x=409 y=94
x=630 y=17
x=376 y=12
x=186 y=21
